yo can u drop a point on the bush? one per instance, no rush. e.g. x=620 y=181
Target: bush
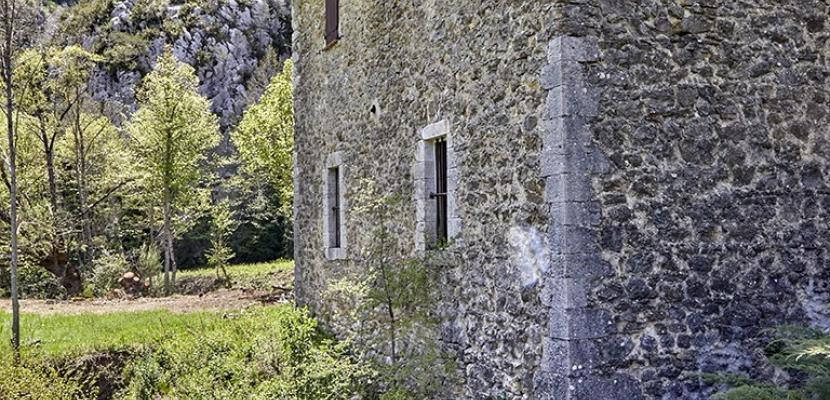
x=802 y=350
x=275 y=353
x=33 y=282
x=107 y=271
x=25 y=382
x=148 y=261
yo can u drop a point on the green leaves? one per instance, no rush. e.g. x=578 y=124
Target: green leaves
x=795 y=349
x=264 y=353
x=265 y=137
x=171 y=134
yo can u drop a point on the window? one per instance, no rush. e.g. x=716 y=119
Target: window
x=332 y=22
x=436 y=176
x=440 y=193
x=334 y=207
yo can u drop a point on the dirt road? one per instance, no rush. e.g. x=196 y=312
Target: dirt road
x=214 y=301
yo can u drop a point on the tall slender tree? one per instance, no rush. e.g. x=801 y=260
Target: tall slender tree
x=172 y=132
x=53 y=107
x=9 y=10
x=265 y=137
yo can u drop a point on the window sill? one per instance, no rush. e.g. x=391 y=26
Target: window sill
x=332 y=44
x=335 y=253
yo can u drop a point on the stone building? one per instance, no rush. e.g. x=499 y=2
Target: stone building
x=632 y=190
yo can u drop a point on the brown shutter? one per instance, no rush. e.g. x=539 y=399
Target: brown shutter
x=332 y=21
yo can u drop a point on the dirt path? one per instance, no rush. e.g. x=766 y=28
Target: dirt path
x=214 y=301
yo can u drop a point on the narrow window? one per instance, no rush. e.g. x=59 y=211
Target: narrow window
x=332 y=21
x=440 y=194
x=334 y=204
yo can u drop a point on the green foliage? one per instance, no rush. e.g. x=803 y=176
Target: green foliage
x=123 y=50
x=62 y=137
x=56 y=336
x=36 y=382
x=263 y=232
x=263 y=354
x=220 y=254
x=265 y=137
x=244 y=270
x=107 y=270
x=391 y=300
x=804 y=350
x=84 y=17
x=172 y=131
x=148 y=261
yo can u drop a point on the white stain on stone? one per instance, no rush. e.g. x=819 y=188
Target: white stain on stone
x=530 y=253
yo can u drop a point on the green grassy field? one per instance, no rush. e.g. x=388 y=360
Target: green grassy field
x=242 y=270
x=69 y=335
x=264 y=352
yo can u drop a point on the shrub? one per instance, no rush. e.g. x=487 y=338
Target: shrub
x=33 y=282
x=802 y=350
x=274 y=353
x=220 y=253
x=32 y=382
x=107 y=271
x=148 y=261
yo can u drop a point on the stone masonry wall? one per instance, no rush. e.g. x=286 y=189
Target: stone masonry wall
x=715 y=211
x=399 y=67
x=642 y=185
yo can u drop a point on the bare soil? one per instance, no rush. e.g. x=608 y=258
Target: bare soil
x=218 y=300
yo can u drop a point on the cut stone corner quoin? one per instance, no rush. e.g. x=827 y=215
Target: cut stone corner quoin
x=576 y=331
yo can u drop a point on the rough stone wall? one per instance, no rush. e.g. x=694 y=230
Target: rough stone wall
x=417 y=63
x=636 y=204
x=715 y=212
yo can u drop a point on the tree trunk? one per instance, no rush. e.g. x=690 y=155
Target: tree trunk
x=80 y=154
x=167 y=238
x=8 y=57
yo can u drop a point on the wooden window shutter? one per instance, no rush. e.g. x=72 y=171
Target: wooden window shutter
x=332 y=21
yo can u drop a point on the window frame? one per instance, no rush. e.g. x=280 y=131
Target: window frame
x=430 y=194
x=335 y=207
x=332 y=23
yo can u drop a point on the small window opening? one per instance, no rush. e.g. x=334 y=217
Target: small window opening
x=332 y=22
x=440 y=193
x=334 y=211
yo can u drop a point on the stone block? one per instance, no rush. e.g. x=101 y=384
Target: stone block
x=565 y=135
x=616 y=387
x=583 y=323
x=576 y=213
x=572 y=100
x=570 y=292
x=571 y=48
x=561 y=73
x=587 y=265
x=569 y=239
x=435 y=130
x=567 y=187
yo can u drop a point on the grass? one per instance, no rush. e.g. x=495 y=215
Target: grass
x=70 y=335
x=241 y=270
x=274 y=352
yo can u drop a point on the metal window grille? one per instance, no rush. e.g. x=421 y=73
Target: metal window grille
x=334 y=218
x=332 y=21
x=440 y=194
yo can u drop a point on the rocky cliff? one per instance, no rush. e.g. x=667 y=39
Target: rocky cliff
x=234 y=45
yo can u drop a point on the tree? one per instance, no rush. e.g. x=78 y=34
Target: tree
x=11 y=14
x=172 y=131
x=56 y=105
x=390 y=301
x=220 y=253
x=265 y=137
